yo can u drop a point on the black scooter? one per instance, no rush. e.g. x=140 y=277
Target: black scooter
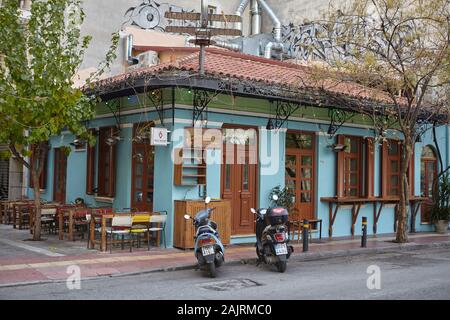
x=209 y=249
x=272 y=236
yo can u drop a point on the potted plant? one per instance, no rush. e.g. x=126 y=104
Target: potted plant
x=440 y=211
x=285 y=197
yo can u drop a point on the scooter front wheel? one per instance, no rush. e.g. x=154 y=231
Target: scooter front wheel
x=212 y=270
x=281 y=266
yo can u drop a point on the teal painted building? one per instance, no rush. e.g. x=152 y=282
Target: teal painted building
x=315 y=164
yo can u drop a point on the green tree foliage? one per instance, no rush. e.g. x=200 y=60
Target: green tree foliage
x=39 y=58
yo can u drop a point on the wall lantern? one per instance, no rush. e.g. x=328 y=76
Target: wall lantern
x=338 y=147
x=269 y=125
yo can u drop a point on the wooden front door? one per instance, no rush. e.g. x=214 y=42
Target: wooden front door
x=239 y=177
x=142 y=169
x=300 y=171
x=60 y=176
x=428 y=174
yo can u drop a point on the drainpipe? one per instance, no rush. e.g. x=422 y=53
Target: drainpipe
x=271 y=46
x=277 y=45
x=274 y=18
x=129 y=48
x=227 y=45
x=240 y=10
x=256 y=17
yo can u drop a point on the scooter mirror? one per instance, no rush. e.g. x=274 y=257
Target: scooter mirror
x=275 y=197
x=187 y=217
x=207 y=200
x=253 y=210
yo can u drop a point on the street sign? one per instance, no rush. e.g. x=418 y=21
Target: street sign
x=158 y=136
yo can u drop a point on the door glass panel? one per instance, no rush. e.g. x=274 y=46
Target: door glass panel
x=228 y=176
x=305 y=197
x=138 y=182
x=291 y=160
x=290 y=172
x=290 y=184
x=150 y=182
x=245 y=177
x=139 y=169
x=306 y=185
x=138 y=196
x=299 y=141
x=306 y=173
x=149 y=196
x=430 y=178
x=306 y=161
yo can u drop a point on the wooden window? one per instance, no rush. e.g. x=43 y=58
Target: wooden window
x=391 y=161
x=90 y=168
x=428 y=172
x=391 y=156
x=43 y=175
x=369 y=169
x=106 y=162
x=350 y=166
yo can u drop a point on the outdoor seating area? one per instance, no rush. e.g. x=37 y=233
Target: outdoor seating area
x=101 y=227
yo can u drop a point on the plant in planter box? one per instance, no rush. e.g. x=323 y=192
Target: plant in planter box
x=440 y=212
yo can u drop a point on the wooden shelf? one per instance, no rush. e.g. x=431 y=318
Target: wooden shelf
x=188 y=172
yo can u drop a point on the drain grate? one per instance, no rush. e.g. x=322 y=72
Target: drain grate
x=226 y=285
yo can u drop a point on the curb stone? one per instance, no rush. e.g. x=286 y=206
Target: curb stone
x=309 y=256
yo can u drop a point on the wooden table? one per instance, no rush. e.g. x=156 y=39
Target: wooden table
x=103 y=218
x=356 y=204
x=18 y=214
x=299 y=225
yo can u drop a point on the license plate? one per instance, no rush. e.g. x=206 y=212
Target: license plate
x=207 y=250
x=280 y=248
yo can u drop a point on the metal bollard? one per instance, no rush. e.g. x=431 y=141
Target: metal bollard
x=305 y=235
x=364 y=233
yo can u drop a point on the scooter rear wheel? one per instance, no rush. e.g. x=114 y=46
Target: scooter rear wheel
x=212 y=270
x=281 y=266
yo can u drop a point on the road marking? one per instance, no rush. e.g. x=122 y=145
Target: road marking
x=31 y=248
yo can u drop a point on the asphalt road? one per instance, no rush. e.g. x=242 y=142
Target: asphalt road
x=423 y=274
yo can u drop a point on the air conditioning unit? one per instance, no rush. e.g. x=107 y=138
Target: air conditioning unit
x=148 y=58
x=145 y=59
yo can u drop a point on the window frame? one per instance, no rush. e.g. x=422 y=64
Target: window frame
x=106 y=163
x=344 y=172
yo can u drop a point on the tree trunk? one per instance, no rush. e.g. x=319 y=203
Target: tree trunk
x=402 y=210
x=37 y=205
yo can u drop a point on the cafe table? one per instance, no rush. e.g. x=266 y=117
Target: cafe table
x=103 y=217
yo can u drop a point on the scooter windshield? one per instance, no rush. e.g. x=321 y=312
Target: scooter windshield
x=202 y=216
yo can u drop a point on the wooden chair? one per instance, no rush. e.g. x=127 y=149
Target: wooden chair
x=141 y=225
x=294 y=223
x=161 y=220
x=81 y=220
x=120 y=225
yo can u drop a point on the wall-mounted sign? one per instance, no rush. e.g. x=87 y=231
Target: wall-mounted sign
x=158 y=137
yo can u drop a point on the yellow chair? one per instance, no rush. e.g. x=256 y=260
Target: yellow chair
x=141 y=225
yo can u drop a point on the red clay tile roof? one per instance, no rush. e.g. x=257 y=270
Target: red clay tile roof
x=225 y=63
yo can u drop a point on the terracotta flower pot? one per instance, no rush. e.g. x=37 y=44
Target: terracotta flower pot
x=441 y=226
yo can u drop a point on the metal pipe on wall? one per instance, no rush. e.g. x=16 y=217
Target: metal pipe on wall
x=240 y=10
x=228 y=45
x=274 y=18
x=255 y=26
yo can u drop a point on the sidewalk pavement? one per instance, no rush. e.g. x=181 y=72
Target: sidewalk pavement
x=28 y=262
